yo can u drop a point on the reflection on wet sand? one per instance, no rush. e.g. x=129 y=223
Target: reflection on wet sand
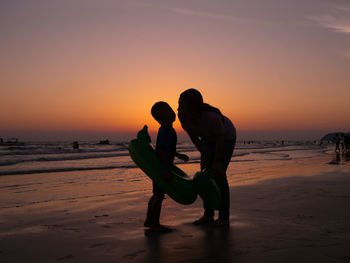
x=340 y=158
x=203 y=244
x=346 y=156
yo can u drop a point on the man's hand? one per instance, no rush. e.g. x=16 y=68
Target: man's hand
x=204 y=161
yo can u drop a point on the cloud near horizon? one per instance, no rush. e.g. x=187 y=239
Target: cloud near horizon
x=337 y=20
x=335 y=23
x=199 y=13
x=207 y=14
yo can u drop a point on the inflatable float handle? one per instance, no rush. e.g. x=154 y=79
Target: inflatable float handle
x=143 y=135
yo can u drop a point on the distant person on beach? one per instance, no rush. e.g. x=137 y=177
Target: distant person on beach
x=214 y=136
x=75 y=145
x=337 y=143
x=166 y=151
x=347 y=143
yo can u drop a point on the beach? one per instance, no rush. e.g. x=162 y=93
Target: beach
x=254 y=91
x=288 y=204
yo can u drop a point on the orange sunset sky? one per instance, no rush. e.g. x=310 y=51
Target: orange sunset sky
x=94 y=68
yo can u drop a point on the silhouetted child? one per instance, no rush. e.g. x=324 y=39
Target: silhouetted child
x=166 y=151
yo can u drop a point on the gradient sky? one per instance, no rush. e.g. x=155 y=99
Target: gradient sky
x=75 y=67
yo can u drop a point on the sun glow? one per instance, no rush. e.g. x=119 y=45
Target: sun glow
x=104 y=72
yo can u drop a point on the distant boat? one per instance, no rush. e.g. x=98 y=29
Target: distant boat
x=75 y=145
x=11 y=142
x=104 y=142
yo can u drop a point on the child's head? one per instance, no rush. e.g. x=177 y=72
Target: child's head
x=163 y=113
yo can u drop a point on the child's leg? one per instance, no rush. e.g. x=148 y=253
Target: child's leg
x=157 y=206
x=154 y=207
x=148 y=221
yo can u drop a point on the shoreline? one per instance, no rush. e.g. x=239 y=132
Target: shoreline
x=289 y=219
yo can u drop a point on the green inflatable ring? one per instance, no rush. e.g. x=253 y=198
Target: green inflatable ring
x=181 y=188
x=207 y=189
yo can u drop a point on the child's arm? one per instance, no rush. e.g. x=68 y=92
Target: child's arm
x=183 y=157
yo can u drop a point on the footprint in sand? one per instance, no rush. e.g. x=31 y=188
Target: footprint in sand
x=66 y=257
x=97 y=245
x=117 y=223
x=182 y=248
x=101 y=216
x=71 y=229
x=53 y=226
x=132 y=255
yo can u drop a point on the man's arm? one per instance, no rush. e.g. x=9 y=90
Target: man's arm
x=196 y=141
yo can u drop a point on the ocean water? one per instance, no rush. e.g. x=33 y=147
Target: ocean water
x=41 y=173
x=48 y=157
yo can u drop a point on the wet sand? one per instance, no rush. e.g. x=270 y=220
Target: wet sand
x=285 y=219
